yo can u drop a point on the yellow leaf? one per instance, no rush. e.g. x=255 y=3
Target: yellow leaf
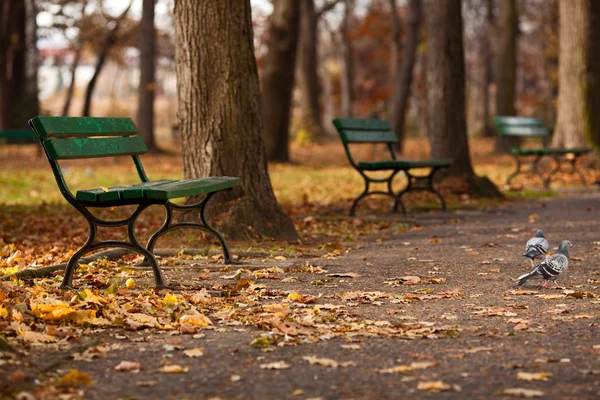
x=104 y=189
x=129 y=283
x=540 y=376
x=51 y=310
x=174 y=369
x=75 y=378
x=294 y=296
x=327 y=362
x=90 y=297
x=37 y=337
x=437 y=386
x=3 y=312
x=170 y=300
x=196 y=320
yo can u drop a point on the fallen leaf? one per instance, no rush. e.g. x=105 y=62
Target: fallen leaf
x=74 y=378
x=519 y=392
x=344 y=275
x=276 y=365
x=196 y=352
x=128 y=366
x=437 y=386
x=173 y=369
x=327 y=362
x=527 y=376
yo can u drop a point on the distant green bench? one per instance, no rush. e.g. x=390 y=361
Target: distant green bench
x=535 y=128
x=366 y=131
x=66 y=138
x=17 y=136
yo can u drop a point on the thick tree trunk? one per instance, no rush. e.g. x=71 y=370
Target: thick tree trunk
x=572 y=117
x=147 y=43
x=277 y=78
x=404 y=65
x=220 y=113
x=308 y=77
x=347 y=62
x=506 y=61
x=592 y=130
x=446 y=120
x=6 y=19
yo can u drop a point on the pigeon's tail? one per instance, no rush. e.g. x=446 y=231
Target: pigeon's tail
x=531 y=254
x=524 y=278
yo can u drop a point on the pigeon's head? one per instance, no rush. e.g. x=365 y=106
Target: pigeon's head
x=565 y=244
x=539 y=233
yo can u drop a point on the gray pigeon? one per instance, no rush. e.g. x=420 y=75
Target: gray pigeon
x=536 y=247
x=551 y=267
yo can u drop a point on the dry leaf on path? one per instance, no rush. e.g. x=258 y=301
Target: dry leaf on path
x=519 y=392
x=327 y=362
x=275 y=365
x=437 y=386
x=173 y=369
x=196 y=352
x=527 y=376
x=129 y=366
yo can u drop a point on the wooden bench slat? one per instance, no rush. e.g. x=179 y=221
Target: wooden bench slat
x=74 y=148
x=547 y=151
x=20 y=134
x=83 y=126
x=129 y=192
x=403 y=164
x=191 y=187
x=519 y=121
x=361 y=124
x=368 y=136
x=524 y=130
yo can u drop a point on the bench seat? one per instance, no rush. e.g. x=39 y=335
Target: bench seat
x=157 y=190
x=547 y=151
x=403 y=164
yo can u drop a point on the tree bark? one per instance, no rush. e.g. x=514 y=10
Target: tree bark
x=488 y=55
x=572 y=119
x=277 y=78
x=6 y=19
x=404 y=62
x=147 y=43
x=592 y=130
x=71 y=89
x=347 y=62
x=506 y=62
x=109 y=42
x=220 y=114
x=308 y=77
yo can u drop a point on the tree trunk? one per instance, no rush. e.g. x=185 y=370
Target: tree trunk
x=347 y=63
x=220 y=113
x=488 y=55
x=404 y=65
x=71 y=89
x=277 y=78
x=308 y=77
x=506 y=63
x=147 y=43
x=572 y=117
x=592 y=130
x=109 y=42
x=6 y=18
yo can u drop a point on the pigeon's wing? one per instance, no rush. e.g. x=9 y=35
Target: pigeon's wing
x=553 y=266
x=536 y=246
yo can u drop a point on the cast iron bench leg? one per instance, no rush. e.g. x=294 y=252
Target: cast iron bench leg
x=428 y=186
x=364 y=194
x=134 y=245
x=516 y=172
x=168 y=226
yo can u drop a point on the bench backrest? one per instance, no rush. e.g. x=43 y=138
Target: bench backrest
x=354 y=130
x=17 y=135
x=87 y=137
x=68 y=138
x=522 y=126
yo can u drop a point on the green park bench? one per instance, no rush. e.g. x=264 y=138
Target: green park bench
x=372 y=131
x=17 y=136
x=534 y=128
x=65 y=138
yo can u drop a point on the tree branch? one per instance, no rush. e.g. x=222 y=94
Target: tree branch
x=328 y=6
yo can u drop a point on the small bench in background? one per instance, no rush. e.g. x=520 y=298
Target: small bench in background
x=535 y=128
x=370 y=131
x=69 y=138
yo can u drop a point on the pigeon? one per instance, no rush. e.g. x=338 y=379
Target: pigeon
x=551 y=267
x=536 y=247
